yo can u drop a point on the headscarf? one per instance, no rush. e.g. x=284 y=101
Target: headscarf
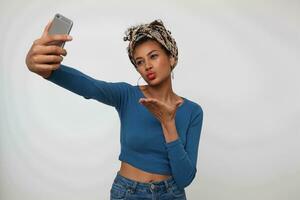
x=155 y=30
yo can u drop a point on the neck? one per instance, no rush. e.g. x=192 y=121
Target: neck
x=162 y=92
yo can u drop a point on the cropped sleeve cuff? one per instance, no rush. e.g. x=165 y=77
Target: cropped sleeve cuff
x=176 y=150
x=54 y=74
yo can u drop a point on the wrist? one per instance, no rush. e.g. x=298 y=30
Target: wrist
x=171 y=137
x=169 y=130
x=46 y=74
x=168 y=123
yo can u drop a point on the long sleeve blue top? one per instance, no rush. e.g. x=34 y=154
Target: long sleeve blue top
x=141 y=136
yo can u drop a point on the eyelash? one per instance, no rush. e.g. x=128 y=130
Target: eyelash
x=153 y=55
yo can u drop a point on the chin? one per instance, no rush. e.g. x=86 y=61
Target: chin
x=154 y=83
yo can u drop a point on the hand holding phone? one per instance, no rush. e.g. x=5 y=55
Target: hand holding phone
x=60 y=25
x=42 y=58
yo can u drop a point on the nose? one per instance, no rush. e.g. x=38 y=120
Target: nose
x=148 y=65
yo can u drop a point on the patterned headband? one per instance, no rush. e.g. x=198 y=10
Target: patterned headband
x=155 y=30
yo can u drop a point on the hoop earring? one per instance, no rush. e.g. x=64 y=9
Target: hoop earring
x=138 y=81
x=172 y=73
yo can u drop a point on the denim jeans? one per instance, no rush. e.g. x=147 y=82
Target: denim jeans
x=127 y=189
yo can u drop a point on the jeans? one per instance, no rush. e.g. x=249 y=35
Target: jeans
x=127 y=189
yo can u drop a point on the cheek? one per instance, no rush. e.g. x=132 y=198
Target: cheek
x=164 y=65
x=161 y=62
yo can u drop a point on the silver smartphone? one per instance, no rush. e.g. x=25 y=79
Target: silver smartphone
x=60 y=25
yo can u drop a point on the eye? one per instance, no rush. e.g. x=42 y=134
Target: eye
x=138 y=62
x=154 y=55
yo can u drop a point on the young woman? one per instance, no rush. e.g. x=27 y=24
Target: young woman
x=160 y=130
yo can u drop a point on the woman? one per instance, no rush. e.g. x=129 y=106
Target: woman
x=160 y=130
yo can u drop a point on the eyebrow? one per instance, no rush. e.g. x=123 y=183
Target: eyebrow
x=147 y=53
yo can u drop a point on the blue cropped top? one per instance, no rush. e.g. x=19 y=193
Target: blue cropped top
x=141 y=136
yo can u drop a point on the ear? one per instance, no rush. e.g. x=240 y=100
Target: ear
x=172 y=61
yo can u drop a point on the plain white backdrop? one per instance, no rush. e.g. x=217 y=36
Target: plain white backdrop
x=238 y=59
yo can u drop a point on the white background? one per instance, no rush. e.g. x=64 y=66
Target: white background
x=238 y=59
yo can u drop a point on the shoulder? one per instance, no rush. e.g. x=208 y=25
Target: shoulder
x=194 y=107
x=122 y=84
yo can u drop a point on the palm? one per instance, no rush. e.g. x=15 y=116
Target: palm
x=161 y=110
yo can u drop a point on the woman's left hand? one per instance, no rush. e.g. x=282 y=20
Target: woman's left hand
x=162 y=111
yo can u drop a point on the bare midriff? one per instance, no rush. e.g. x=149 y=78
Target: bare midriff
x=136 y=174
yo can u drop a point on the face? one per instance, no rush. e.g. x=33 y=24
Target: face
x=152 y=62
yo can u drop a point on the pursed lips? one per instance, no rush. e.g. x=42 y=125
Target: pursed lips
x=151 y=75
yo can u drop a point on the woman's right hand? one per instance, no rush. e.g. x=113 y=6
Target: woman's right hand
x=43 y=56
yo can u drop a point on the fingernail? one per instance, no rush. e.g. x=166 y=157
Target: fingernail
x=70 y=37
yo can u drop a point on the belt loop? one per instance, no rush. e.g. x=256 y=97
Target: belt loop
x=167 y=185
x=133 y=187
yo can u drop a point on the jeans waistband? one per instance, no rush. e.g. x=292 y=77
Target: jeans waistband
x=136 y=185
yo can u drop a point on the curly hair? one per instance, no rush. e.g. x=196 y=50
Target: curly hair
x=154 y=30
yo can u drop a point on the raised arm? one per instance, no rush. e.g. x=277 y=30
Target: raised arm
x=45 y=59
x=110 y=93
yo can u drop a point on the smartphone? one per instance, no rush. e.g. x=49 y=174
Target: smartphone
x=60 y=25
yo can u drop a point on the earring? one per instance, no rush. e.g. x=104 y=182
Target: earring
x=172 y=73
x=138 y=80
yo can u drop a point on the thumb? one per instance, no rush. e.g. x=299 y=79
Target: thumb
x=178 y=103
x=46 y=30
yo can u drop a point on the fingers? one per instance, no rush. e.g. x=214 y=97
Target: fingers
x=152 y=103
x=46 y=30
x=142 y=100
x=44 y=57
x=44 y=50
x=46 y=67
x=148 y=100
x=53 y=38
x=40 y=68
x=45 y=40
x=47 y=59
x=179 y=103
